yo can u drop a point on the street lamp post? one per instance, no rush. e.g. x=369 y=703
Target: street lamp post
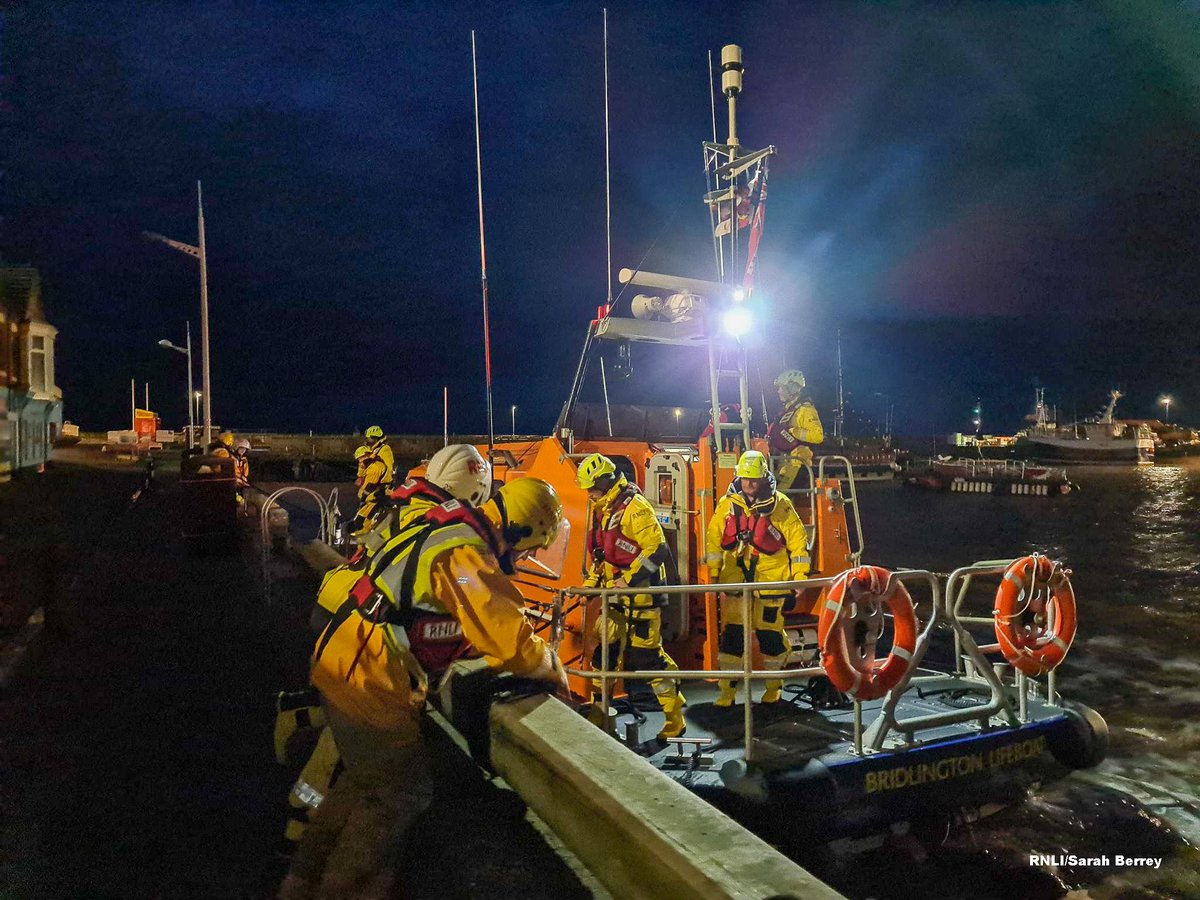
x=198 y=253
x=1166 y=402
x=191 y=393
x=514 y=420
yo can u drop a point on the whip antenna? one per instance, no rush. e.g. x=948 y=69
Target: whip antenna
x=607 y=171
x=487 y=337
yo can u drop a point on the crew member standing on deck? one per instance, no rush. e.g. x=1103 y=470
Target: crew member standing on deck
x=378 y=473
x=241 y=468
x=797 y=429
x=626 y=548
x=754 y=535
x=440 y=590
x=382 y=451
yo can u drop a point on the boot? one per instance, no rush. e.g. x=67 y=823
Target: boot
x=728 y=691
x=773 y=692
x=295 y=710
x=728 y=694
x=675 y=725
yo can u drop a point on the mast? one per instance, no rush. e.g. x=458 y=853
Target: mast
x=487 y=336
x=840 y=418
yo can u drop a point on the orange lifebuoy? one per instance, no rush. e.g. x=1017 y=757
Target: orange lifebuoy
x=1032 y=587
x=850 y=661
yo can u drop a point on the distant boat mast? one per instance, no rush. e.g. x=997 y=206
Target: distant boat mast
x=839 y=418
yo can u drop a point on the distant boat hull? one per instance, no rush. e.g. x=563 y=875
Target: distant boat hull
x=1120 y=451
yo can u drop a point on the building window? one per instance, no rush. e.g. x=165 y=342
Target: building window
x=37 y=364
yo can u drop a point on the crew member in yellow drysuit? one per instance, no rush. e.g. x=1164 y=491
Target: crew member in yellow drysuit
x=457 y=471
x=797 y=429
x=754 y=535
x=222 y=446
x=625 y=547
x=377 y=468
x=439 y=590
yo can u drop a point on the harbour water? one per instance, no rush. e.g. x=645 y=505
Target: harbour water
x=1132 y=538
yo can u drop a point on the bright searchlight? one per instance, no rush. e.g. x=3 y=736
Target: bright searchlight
x=738 y=321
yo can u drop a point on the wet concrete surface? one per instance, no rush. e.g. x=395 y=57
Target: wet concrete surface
x=135 y=745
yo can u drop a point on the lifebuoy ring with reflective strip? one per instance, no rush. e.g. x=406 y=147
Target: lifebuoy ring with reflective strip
x=857 y=597
x=1031 y=588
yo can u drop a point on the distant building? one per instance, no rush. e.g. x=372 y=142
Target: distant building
x=30 y=400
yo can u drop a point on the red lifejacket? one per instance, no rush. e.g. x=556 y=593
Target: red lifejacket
x=779 y=437
x=606 y=543
x=751 y=528
x=435 y=639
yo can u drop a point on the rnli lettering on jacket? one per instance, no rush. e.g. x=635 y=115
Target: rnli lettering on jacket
x=606 y=543
x=397 y=591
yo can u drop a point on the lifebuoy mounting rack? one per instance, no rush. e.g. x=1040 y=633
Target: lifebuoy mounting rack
x=1031 y=589
x=847 y=654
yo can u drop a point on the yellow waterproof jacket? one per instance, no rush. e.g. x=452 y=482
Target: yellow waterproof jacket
x=798 y=423
x=734 y=518
x=336 y=585
x=641 y=529
x=382 y=453
x=367 y=671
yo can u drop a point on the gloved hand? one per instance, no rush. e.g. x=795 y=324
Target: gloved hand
x=551 y=670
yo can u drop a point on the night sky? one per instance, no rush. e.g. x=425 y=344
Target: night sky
x=982 y=197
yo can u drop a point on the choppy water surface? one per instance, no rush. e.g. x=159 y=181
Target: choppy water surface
x=1132 y=539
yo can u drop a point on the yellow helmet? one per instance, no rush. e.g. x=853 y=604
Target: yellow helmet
x=226 y=438
x=593 y=468
x=530 y=511
x=374 y=433
x=361 y=451
x=752 y=464
x=790 y=382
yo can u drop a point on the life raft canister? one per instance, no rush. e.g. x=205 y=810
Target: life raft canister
x=853 y=599
x=1034 y=589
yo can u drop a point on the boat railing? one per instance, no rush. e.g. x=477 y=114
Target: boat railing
x=970 y=659
x=747 y=675
x=849 y=494
x=1002 y=468
x=809 y=488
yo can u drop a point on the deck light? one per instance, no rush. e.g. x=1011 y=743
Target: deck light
x=738 y=321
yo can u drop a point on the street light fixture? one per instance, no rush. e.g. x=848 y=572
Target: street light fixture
x=514 y=420
x=186 y=351
x=1166 y=403
x=198 y=252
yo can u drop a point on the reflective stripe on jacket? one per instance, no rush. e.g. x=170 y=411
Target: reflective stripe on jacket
x=798 y=423
x=625 y=539
x=743 y=561
x=436 y=591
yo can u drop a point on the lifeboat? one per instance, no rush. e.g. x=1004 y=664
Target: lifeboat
x=662 y=388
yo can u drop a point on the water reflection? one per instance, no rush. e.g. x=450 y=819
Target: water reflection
x=1132 y=538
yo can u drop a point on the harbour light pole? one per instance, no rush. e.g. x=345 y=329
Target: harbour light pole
x=1166 y=403
x=191 y=393
x=198 y=253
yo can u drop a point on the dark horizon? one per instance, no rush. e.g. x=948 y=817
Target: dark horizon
x=978 y=196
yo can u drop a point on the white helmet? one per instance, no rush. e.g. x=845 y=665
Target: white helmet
x=461 y=471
